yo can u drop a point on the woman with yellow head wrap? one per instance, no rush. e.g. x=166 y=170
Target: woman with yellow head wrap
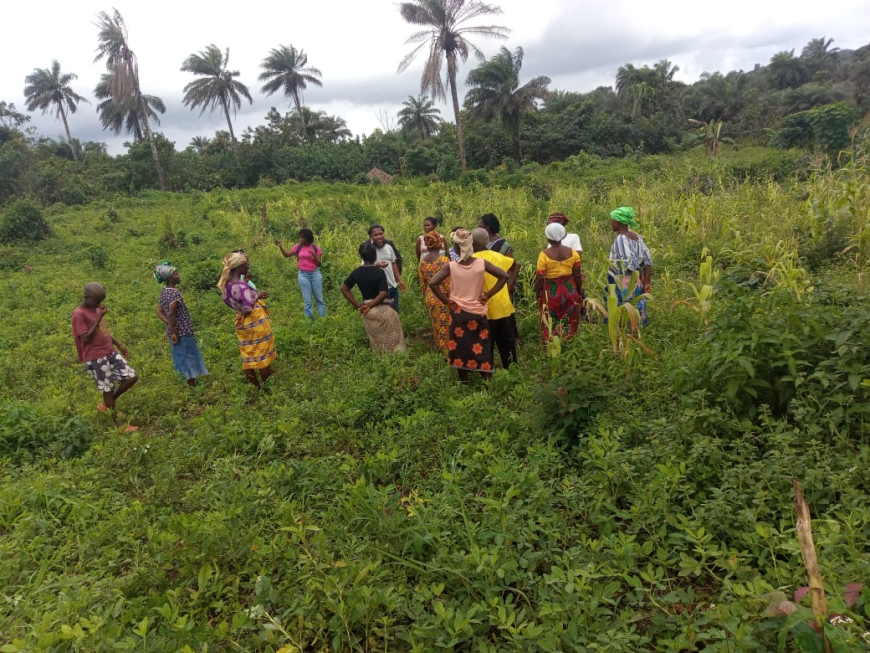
x=253 y=329
x=629 y=257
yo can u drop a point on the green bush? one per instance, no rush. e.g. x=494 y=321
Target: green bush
x=23 y=220
x=27 y=434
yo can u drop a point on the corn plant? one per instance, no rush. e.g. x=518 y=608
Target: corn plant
x=623 y=321
x=702 y=302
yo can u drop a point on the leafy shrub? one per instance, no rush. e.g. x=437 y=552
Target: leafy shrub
x=202 y=275
x=472 y=178
x=539 y=190
x=99 y=257
x=825 y=127
x=23 y=220
x=26 y=433
x=10 y=260
x=357 y=213
x=112 y=215
x=448 y=168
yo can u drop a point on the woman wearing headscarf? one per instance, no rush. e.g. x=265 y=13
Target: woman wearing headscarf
x=571 y=240
x=558 y=285
x=430 y=225
x=381 y=322
x=470 y=344
x=432 y=261
x=629 y=255
x=171 y=309
x=253 y=330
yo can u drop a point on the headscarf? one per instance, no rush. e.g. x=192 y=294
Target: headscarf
x=462 y=237
x=230 y=262
x=558 y=218
x=162 y=271
x=433 y=239
x=625 y=215
x=555 y=232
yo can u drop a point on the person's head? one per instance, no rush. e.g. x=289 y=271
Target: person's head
x=235 y=264
x=376 y=233
x=555 y=233
x=430 y=224
x=94 y=295
x=489 y=222
x=623 y=217
x=559 y=218
x=306 y=237
x=463 y=242
x=432 y=240
x=368 y=253
x=164 y=272
x=479 y=238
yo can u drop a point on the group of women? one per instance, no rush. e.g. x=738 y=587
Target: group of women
x=467 y=279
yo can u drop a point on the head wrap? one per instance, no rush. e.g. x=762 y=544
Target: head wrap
x=480 y=237
x=555 y=232
x=231 y=262
x=462 y=237
x=433 y=239
x=559 y=218
x=162 y=271
x=624 y=215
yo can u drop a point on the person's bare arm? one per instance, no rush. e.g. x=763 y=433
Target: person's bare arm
x=287 y=254
x=513 y=274
x=317 y=254
x=399 y=280
x=435 y=284
x=417 y=248
x=121 y=348
x=348 y=295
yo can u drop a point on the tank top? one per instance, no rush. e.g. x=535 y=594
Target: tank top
x=466 y=284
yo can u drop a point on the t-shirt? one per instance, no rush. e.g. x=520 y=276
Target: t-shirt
x=572 y=241
x=100 y=345
x=182 y=315
x=305 y=256
x=388 y=254
x=499 y=305
x=371 y=280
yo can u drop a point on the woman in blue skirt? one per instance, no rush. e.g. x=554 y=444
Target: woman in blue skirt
x=186 y=356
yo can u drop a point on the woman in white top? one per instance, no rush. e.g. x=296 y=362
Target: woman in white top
x=429 y=224
x=629 y=254
x=570 y=240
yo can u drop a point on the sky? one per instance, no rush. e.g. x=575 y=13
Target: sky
x=358 y=44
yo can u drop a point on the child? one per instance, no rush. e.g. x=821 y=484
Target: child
x=96 y=349
x=186 y=356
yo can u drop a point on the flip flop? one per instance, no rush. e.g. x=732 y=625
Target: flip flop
x=102 y=407
x=130 y=428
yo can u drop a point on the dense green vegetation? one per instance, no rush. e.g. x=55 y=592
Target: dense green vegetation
x=585 y=500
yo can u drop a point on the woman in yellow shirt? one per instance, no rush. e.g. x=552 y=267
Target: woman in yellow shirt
x=559 y=286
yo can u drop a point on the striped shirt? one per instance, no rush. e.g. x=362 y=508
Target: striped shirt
x=627 y=255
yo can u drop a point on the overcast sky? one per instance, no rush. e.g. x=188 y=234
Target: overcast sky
x=357 y=44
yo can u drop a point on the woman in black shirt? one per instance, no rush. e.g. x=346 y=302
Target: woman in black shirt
x=381 y=322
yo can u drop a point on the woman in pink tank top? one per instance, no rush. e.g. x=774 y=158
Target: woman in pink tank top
x=469 y=345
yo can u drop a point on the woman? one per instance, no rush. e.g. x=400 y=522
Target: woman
x=433 y=260
x=498 y=244
x=381 y=322
x=570 y=240
x=430 y=226
x=470 y=344
x=171 y=309
x=558 y=285
x=256 y=343
x=629 y=254
x=308 y=262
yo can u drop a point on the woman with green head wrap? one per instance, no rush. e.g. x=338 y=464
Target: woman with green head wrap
x=629 y=255
x=171 y=309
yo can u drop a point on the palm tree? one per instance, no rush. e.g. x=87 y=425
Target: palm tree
x=121 y=62
x=116 y=116
x=199 y=143
x=446 y=38
x=419 y=114
x=786 y=70
x=217 y=86
x=820 y=56
x=496 y=93
x=285 y=67
x=47 y=89
x=332 y=128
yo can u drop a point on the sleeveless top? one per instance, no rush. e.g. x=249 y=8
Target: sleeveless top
x=466 y=285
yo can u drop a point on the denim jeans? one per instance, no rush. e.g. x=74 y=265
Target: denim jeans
x=312 y=282
x=393 y=293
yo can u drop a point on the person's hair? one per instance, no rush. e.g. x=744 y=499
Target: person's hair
x=307 y=234
x=431 y=219
x=368 y=253
x=491 y=222
x=375 y=226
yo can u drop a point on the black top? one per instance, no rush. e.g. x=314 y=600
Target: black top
x=370 y=279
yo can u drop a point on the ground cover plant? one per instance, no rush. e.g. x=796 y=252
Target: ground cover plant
x=584 y=500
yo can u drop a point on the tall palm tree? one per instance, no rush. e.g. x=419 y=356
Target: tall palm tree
x=332 y=128
x=121 y=62
x=787 y=70
x=199 y=143
x=119 y=115
x=287 y=68
x=47 y=89
x=496 y=93
x=446 y=38
x=419 y=114
x=217 y=88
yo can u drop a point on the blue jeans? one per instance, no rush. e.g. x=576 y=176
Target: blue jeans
x=393 y=293
x=312 y=282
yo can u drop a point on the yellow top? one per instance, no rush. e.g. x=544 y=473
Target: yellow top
x=554 y=269
x=499 y=305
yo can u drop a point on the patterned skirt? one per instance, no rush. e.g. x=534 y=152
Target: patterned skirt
x=384 y=329
x=470 y=344
x=626 y=294
x=559 y=307
x=256 y=342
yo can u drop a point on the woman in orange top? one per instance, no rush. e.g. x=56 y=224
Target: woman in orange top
x=432 y=261
x=470 y=344
x=559 y=286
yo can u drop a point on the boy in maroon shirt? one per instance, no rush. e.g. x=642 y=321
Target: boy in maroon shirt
x=96 y=349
